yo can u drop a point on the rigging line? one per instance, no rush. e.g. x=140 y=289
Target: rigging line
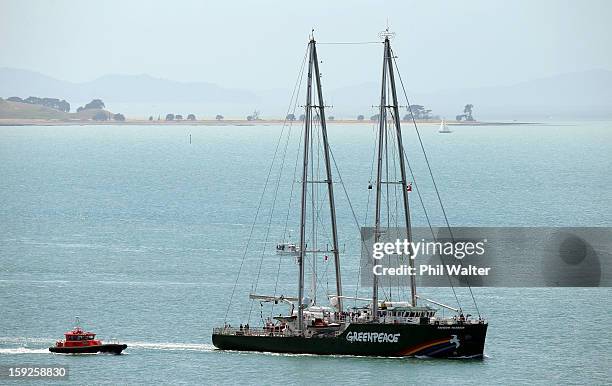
x=314 y=254
x=418 y=190
x=387 y=195
x=385 y=200
x=327 y=292
x=365 y=220
x=316 y=210
x=348 y=199
x=401 y=290
x=431 y=174
x=263 y=250
x=349 y=202
x=349 y=43
x=395 y=188
x=318 y=279
x=313 y=194
x=254 y=221
x=326 y=282
x=387 y=185
x=326 y=276
x=394 y=155
x=319 y=177
x=319 y=207
x=272 y=212
x=384 y=192
x=416 y=186
x=367 y=210
x=253 y=224
x=433 y=235
x=319 y=210
x=313 y=188
x=280 y=173
x=280 y=257
x=397 y=199
x=295 y=103
x=391 y=189
x=296 y=92
x=318 y=217
x=297 y=158
x=310 y=195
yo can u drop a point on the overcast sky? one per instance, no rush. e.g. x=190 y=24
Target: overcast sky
x=260 y=44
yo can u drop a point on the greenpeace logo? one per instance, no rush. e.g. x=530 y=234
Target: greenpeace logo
x=375 y=337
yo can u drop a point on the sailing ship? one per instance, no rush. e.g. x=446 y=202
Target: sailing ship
x=444 y=127
x=380 y=327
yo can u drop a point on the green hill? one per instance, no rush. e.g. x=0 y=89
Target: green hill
x=18 y=110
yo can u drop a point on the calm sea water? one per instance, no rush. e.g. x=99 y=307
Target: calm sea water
x=142 y=234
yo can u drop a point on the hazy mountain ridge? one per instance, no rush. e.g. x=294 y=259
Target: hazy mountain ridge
x=117 y=88
x=579 y=94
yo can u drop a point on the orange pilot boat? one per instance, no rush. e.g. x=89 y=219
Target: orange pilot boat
x=79 y=341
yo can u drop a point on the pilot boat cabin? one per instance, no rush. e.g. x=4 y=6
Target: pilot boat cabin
x=79 y=338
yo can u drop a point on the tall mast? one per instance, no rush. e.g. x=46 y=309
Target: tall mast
x=400 y=153
x=388 y=72
x=381 y=136
x=313 y=69
x=330 y=184
x=307 y=128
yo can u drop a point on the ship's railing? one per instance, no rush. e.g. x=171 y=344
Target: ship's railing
x=435 y=320
x=455 y=321
x=251 y=331
x=278 y=331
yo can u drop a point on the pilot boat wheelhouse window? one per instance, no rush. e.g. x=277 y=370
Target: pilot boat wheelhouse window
x=79 y=337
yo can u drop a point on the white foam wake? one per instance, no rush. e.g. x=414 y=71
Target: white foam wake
x=25 y=341
x=23 y=350
x=171 y=346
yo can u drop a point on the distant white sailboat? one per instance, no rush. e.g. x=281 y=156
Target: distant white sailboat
x=444 y=127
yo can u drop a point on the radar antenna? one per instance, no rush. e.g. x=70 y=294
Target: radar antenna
x=386 y=34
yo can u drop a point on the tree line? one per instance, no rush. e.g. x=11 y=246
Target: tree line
x=53 y=103
x=416 y=111
x=94 y=104
x=62 y=105
x=107 y=116
x=179 y=117
x=467 y=113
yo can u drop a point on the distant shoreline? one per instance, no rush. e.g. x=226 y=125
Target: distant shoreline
x=225 y=122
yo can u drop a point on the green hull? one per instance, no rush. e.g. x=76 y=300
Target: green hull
x=387 y=340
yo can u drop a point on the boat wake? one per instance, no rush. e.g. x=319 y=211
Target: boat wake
x=23 y=350
x=22 y=341
x=168 y=346
x=20 y=345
